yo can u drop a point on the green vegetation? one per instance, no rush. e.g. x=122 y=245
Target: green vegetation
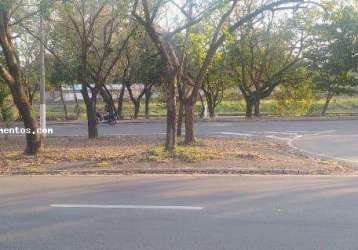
x=6 y=110
x=184 y=153
x=338 y=105
x=210 y=58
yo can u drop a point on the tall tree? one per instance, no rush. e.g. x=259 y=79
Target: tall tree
x=142 y=69
x=216 y=78
x=28 y=49
x=333 y=54
x=221 y=10
x=170 y=61
x=265 y=55
x=59 y=77
x=101 y=30
x=11 y=73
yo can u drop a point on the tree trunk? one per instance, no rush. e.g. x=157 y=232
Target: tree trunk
x=136 y=108
x=180 y=118
x=77 y=107
x=171 y=112
x=211 y=106
x=249 y=106
x=189 y=122
x=63 y=102
x=92 y=119
x=135 y=101
x=31 y=98
x=257 y=107
x=33 y=139
x=210 y=100
x=181 y=90
x=211 y=111
x=91 y=112
x=326 y=104
x=12 y=75
x=148 y=95
x=203 y=111
x=120 y=103
x=107 y=98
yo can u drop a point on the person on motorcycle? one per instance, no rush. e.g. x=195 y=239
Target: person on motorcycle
x=110 y=113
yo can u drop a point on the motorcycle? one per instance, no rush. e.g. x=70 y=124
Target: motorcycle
x=107 y=118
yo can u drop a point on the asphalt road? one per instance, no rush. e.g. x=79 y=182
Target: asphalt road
x=327 y=139
x=237 y=212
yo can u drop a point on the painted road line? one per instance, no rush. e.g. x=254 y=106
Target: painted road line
x=126 y=206
x=324 y=132
x=130 y=134
x=277 y=137
x=290 y=143
x=233 y=133
x=281 y=133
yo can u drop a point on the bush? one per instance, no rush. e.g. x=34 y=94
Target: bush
x=7 y=114
x=294 y=99
x=6 y=111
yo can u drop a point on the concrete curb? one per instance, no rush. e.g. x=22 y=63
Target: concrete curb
x=178 y=172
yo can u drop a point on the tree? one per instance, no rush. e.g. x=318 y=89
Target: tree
x=28 y=49
x=216 y=79
x=214 y=93
x=170 y=61
x=142 y=69
x=63 y=64
x=30 y=80
x=119 y=97
x=59 y=77
x=108 y=98
x=130 y=80
x=295 y=98
x=265 y=55
x=150 y=72
x=333 y=54
x=11 y=73
x=98 y=32
x=146 y=14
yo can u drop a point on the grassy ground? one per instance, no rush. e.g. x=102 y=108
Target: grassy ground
x=227 y=107
x=131 y=155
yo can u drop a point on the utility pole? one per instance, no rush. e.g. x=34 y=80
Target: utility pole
x=42 y=79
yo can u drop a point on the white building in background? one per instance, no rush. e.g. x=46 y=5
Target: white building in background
x=69 y=94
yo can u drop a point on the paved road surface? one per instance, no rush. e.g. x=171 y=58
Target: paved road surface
x=238 y=212
x=331 y=139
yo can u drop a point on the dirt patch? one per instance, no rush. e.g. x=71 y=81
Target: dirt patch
x=141 y=155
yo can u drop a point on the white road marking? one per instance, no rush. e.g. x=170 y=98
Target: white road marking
x=233 y=133
x=138 y=134
x=291 y=145
x=324 y=132
x=220 y=124
x=277 y=137
x=280 y=133
x=126 y=206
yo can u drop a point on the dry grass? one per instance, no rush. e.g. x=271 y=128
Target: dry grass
x=147 y=155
